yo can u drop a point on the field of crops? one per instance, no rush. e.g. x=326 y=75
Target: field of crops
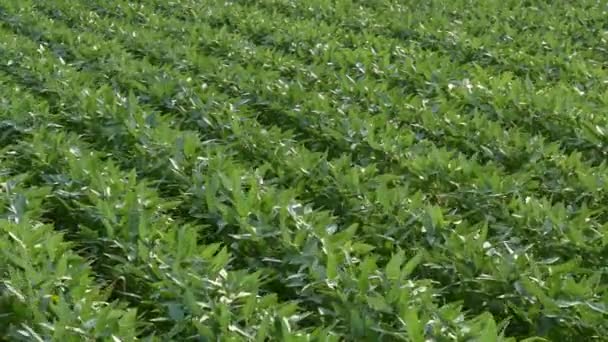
x=284 y=170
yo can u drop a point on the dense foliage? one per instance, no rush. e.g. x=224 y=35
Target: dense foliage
x=312 y=170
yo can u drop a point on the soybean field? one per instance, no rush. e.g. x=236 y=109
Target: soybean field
x=319 y=170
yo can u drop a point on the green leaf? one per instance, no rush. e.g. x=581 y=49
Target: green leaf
x=412 y=264
x=413 y=325
x=332 y=265
x=489 y=332
x=393 y=268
